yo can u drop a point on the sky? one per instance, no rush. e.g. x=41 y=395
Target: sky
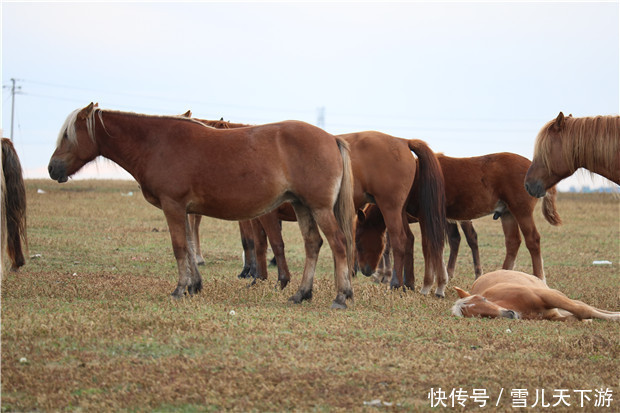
x=469 y=78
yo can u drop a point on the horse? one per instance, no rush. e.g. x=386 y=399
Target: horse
x=383 y=172
x=375 y=255
x=185 y=167
x=475 y=187
x=13 y=206
x=566 y=143
x=517 y=295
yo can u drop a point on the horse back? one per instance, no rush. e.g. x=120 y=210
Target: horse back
x=242 y=173
x=381 y=163
x=479 y=182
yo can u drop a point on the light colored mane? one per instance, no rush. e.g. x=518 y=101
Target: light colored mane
x=68 y=127
x=586 y=142
x=457 y=308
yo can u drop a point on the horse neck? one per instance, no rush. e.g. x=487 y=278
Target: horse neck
x=127 y=140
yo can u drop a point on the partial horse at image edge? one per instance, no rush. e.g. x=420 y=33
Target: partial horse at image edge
x=566 y=144
x=517 y=295
x=13 y=207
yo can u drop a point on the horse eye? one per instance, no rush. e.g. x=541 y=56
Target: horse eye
x=484 y=299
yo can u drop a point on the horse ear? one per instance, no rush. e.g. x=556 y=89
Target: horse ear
x=461 y=293
x=187 y=114
x=85 y=113
x=559 y=122
x=361 y=216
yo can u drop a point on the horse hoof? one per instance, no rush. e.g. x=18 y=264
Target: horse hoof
x=440 y=295
x=339 y=306
x=300 y=296
x=178 y=293
x=283 y=284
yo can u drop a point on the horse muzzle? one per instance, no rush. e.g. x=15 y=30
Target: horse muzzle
x=513 y=315
x=367 y=270
x=535 y=189
x=58 y=170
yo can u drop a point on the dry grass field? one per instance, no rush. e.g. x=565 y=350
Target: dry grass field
x=88 y=323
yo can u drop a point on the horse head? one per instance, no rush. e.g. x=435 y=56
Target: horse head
x=76 y=145
x=475 y=305
x=369 y=239
x=549 y=165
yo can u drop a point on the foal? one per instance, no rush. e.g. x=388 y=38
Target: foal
x=513 y=294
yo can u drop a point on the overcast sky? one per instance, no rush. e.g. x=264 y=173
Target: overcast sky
x=470 y=78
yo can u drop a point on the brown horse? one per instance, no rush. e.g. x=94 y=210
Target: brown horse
x=475 y=187
x=13 y=206
x=375 y=255
x=513 y=294
x=185 y=167
x=383 y=170
x=253 y=232
x=565 y=144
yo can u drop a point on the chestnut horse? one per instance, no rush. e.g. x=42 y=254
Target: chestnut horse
x=375 y=255
x=565 y=144
x=185 y=167
x=383 y=171
x=514 y=294
x=475 y=187
x=13 y=206
x=253 y=232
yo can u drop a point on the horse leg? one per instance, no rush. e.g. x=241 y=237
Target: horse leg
x=454 y=240
x=178 y=224
x=399 y=240
x=247 y=242
x=581 y=310
x=472 y=240
x=532 y=242
x=512 y=240
x=260 y=249
x=273 y=229
x=194 y=224
x=337 y=241
x=312 y=244
x=383 y=274
x=434 y=267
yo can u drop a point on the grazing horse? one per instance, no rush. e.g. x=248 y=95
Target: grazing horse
x=185 y=167
x=475 y=187
x=384 y=171
x=514 y=294
x=13 y=206
x=566 y=143
x=373 y=244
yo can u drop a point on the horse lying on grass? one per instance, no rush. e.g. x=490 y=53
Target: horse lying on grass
x=514 y=294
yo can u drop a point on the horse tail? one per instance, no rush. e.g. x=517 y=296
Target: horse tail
x=548 y=207
x=13 y=205
x=431 y=195
x=344 y=209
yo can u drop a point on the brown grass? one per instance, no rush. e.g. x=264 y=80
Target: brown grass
x=93 y=319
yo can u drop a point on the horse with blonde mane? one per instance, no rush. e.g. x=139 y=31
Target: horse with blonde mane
x=185 y=167
x=566 y=144
x=13 y=207
x=517 y=295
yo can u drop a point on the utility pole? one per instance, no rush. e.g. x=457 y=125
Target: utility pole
x=14 y=91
